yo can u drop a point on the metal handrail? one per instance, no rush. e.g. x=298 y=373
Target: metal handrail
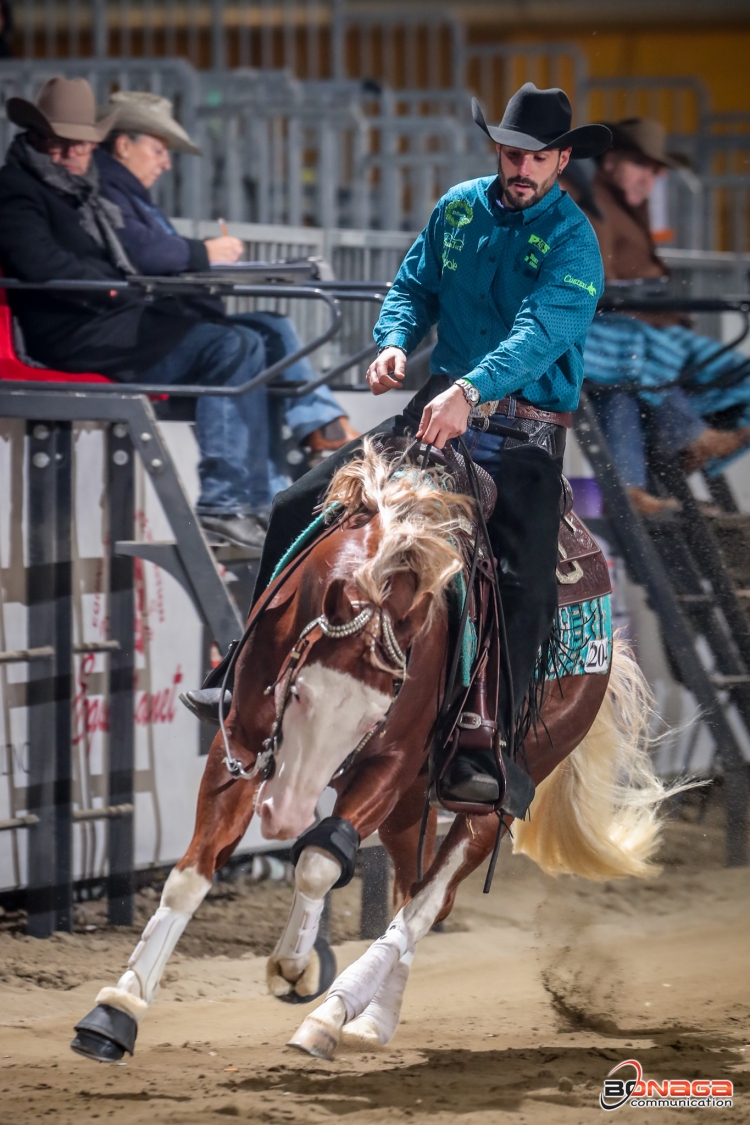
x=657 y=304
x=332 y=292
x=172 y=285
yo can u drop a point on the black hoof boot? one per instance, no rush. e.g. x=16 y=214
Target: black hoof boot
x=105 y=1034
x=327 y=959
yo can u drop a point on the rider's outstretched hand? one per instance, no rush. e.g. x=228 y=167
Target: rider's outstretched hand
x=387 y=371
x=446 y=417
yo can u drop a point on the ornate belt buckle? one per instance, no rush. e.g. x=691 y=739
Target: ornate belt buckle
x=469 y=720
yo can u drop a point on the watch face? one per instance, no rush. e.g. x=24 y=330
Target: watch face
x=470 y=392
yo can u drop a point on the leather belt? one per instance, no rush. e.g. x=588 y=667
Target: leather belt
x=529 y=412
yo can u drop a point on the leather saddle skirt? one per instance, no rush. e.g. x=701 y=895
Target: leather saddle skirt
x=582 y=571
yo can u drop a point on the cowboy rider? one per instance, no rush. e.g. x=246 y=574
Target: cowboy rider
x=509 y=270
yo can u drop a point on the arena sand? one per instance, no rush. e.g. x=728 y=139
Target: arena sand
x=515 y=1014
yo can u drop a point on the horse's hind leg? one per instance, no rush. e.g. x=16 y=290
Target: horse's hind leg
x=400 y=835
x=385 y=964
x=225 y=808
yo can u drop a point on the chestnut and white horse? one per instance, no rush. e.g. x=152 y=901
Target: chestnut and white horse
x=316 y=681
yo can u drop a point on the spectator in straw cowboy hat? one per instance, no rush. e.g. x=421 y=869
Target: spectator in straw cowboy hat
x=54 y=225
x=704 y=415
x=130 y=161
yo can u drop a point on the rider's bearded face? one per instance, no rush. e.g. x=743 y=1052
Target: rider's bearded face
x=525 y=176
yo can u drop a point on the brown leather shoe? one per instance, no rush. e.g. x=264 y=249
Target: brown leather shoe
x=647 y=505
x=332 y=436
x=714 y=443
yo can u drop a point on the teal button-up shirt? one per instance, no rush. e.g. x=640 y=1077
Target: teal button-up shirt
x=512 y=293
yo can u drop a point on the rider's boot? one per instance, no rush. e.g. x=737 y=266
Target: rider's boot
x=204 y=702
x=327 y=439
x=472 y=777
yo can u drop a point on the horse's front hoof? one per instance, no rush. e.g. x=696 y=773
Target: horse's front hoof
x=94 y=1046
x=315 y=1039
x=105 y=1034
x=316 y=979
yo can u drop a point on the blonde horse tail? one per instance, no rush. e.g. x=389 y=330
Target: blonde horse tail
x=597 y=814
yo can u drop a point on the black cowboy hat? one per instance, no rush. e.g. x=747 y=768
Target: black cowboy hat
x=538 y=120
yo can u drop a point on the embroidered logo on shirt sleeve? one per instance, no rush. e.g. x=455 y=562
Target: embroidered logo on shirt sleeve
x=588 y=286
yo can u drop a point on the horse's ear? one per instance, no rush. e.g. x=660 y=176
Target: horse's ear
x=415 y=618
x=336 y=605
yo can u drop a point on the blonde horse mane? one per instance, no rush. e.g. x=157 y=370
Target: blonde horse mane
x=419 y=517
x=596 y=815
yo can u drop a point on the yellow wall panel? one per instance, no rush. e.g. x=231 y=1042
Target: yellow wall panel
x=719 y=57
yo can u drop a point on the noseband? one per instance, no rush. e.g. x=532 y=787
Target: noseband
x=321 y=627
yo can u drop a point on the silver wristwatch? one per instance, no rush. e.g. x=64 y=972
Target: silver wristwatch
x=471 y=394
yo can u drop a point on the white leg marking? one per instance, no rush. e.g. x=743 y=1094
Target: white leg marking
x=420 y=912
x=183 y=893
x=377 y=998
x=315 y=874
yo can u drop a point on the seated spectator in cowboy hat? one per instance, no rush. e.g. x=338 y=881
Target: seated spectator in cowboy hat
x=54 y=225
x=704 y=412
x=130 y=161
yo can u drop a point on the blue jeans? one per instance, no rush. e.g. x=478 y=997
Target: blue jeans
x=232 y=433
x=485 y=449
x=300 y=415
x=312 y=411
x=675 y=418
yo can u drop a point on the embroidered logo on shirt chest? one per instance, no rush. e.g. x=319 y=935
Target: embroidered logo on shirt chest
x=537 y=249
x=459 y=213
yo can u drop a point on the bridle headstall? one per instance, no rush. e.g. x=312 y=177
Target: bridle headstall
x=265 y=761
x=295 y=660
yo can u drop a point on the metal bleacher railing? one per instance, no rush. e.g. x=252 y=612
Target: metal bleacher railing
x=339 y=116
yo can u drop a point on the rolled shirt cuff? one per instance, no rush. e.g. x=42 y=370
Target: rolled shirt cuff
x=392 y=340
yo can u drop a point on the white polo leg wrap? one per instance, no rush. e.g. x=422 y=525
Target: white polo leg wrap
x=384 y=1010
x=358 y=984
x=183 y=893
x=314 y=875
x=293 y=947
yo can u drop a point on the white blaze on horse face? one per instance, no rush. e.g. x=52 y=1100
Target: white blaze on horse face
x=324 y=720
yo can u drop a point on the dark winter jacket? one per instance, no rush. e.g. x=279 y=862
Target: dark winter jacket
x=119 y=334
x=150 y=240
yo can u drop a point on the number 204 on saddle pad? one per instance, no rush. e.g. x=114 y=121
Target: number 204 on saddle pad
x=583 y=628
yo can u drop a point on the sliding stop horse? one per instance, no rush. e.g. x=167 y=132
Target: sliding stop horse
x=340 y=682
